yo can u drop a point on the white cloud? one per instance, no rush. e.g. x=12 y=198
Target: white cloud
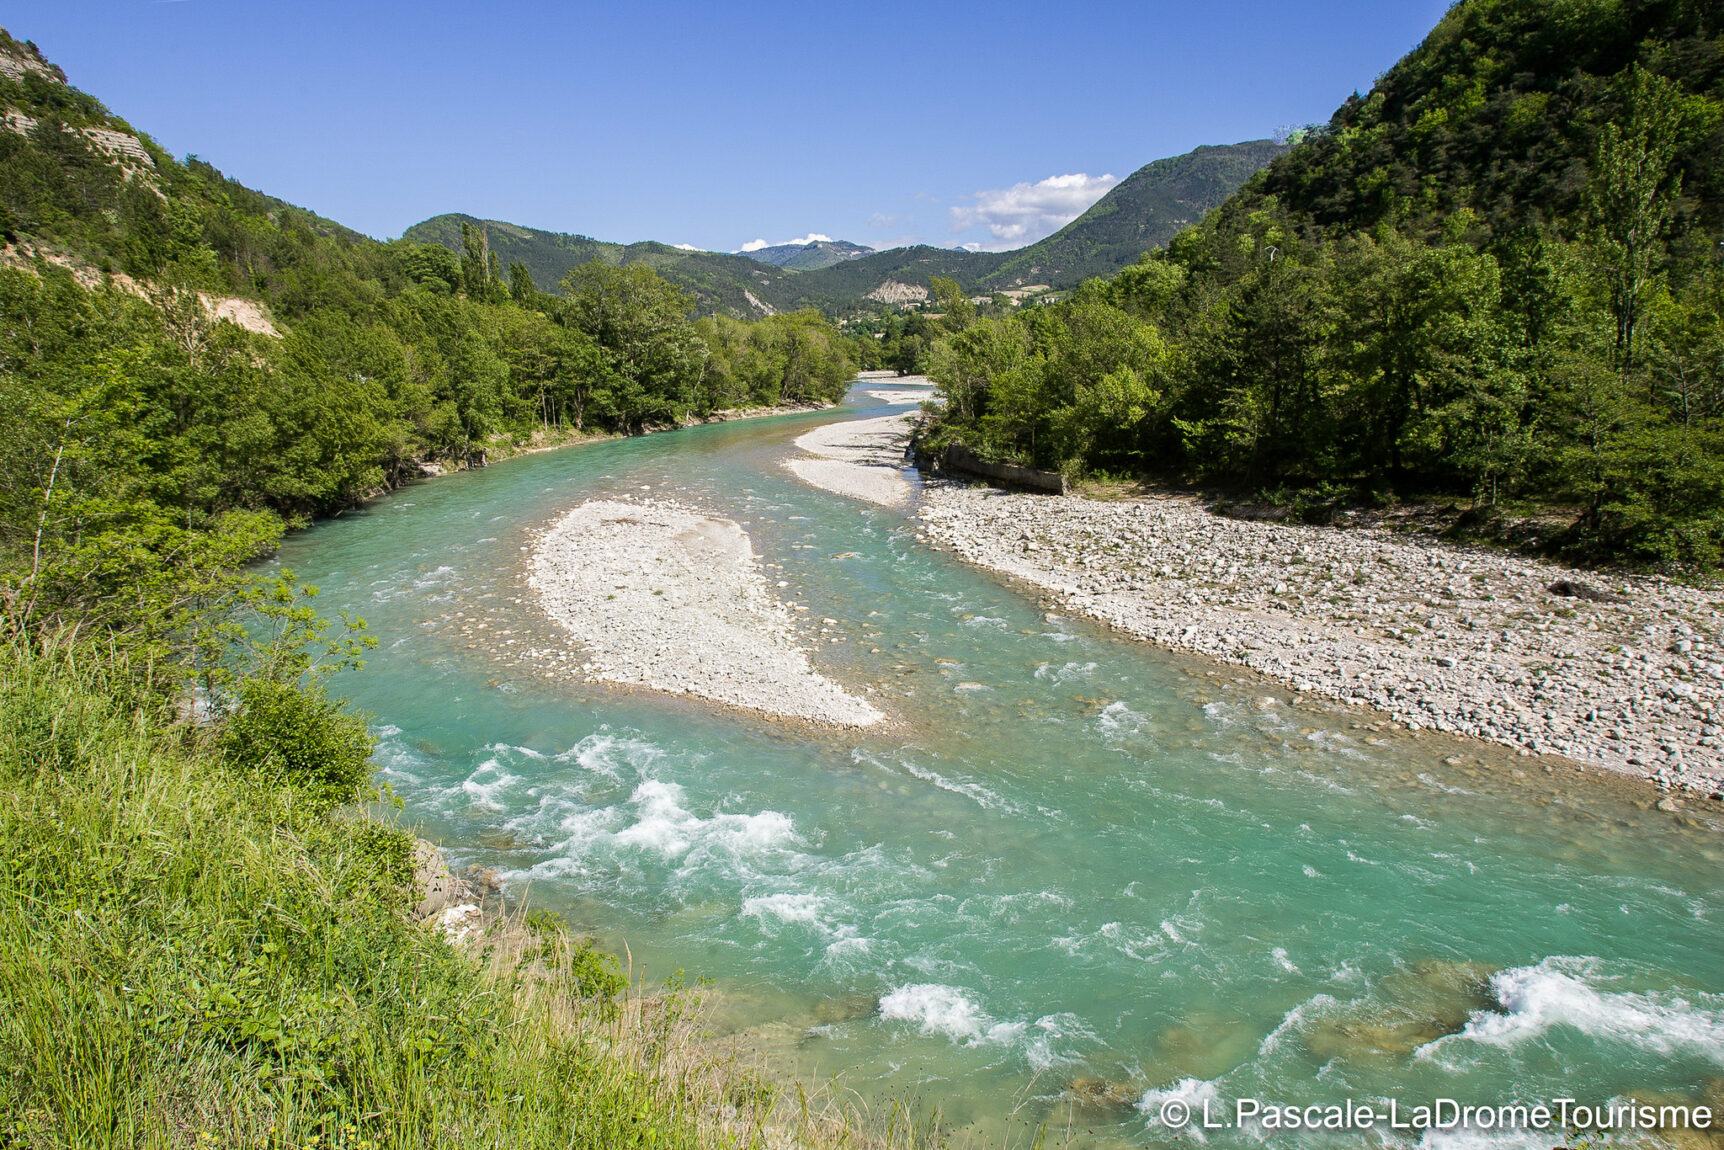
x=804 y=241
x=1024 y=213
x=686 y=247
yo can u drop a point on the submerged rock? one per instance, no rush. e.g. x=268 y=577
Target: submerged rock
x=1105 y=1094
x=1406 y=1010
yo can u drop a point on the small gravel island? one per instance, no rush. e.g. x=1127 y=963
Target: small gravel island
x=665 y=597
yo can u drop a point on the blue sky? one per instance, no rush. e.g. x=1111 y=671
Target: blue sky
x=713 y=125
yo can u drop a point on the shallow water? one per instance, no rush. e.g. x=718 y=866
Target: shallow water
x=1077 y=877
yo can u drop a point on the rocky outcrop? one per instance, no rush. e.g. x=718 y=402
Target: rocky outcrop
x=448 y=903
x=247 y=313
x=20 y=58
x=127 y=149
x=894 y=293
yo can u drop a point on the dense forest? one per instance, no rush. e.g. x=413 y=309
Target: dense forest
x=1495 y=277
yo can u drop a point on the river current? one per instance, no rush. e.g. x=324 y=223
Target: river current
x=1075 y=878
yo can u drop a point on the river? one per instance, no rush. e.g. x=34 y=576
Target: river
x=1072 y=866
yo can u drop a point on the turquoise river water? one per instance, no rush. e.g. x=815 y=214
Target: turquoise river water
x=1076 y=878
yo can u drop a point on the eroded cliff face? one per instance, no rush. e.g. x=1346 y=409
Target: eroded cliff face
x=19 y=60
x=894 y=292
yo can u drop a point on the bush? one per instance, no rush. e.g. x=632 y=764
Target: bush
x=296 y=736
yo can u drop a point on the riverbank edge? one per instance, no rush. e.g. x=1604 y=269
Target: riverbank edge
x=1100 y=591
x=1452 y=656
x=501 y=449
x=665 y=1029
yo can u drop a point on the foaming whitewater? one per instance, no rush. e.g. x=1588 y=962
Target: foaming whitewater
x=653 y=826
x=1575 y=994
x=785 y=907
x=947 y=1011
x=664 y=825
x=1078 y=876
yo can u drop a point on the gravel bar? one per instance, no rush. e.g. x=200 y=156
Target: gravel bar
x=661 y=595
x=1622 y=673
x=861 y=458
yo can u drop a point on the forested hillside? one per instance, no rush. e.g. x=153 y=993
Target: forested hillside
x=1140 y=213
x=720 y=284
x=147 y=440
x=1494 y=277
x=205 y=940
x=811 y=256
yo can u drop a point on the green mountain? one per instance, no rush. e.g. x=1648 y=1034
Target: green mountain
x=1141 y=213
x=808 y=257
x=1493 y=279
x=721 y=283
x=1501 y=111
x=358 y=363
x=889 y=277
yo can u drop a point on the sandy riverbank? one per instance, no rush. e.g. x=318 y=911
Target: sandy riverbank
x=660 y=595
x=861 y=458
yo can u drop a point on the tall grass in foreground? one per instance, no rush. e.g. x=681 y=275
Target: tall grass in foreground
x=194 y=955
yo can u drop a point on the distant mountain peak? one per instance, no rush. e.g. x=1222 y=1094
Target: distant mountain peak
x=818 y=253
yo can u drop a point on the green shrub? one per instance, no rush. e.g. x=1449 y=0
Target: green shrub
x=299 y=737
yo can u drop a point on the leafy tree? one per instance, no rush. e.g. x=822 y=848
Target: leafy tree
x=521 y=288
x=1633 y=197
x=641 y=323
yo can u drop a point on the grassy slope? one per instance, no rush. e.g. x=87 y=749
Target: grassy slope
x=188 y=958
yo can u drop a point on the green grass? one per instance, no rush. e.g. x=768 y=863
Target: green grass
x=192 y=957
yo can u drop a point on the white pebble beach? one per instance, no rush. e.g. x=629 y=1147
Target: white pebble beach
x=861 y=458
x=1434 y=635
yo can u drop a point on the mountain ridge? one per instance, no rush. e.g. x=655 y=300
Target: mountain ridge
x=1141 y=213
x=811 y=256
